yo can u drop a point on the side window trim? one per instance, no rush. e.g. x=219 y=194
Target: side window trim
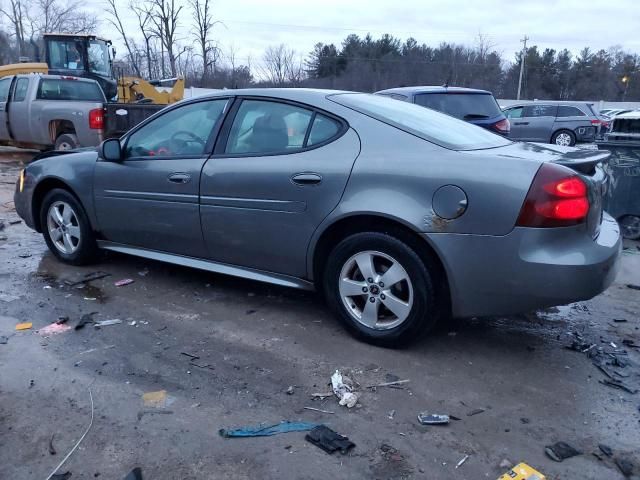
x=223 y=137
x=209 y=146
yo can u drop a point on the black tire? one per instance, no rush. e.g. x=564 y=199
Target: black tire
x=425 y=309
x=67 y=141
x=572 y=136
x=85 y=248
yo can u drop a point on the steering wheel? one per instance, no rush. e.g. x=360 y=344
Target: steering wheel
x=192 y=138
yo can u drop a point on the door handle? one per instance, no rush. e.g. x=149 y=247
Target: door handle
x=521 y=123
x=179 y=178
x=306 y=179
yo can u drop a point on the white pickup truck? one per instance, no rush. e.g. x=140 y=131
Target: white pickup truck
x=51 y=112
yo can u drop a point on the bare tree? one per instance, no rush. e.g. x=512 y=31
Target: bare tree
x=203 y=24
x=165 y=16
x=55 y=16
x=16 y=14
x=116 y=21
x=143 y=15
x=277 y=64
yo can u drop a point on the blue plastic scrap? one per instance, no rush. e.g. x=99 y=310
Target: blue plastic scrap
x=267 y=430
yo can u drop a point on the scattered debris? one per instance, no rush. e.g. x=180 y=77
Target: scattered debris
x=605 y=449
x=144 y=272
x=630 y=343
x=32 y=383
x=620 y=320
x=142 y=413
x=52 y=450
x=86 y=318
x=61 y=476
x=24 y=326
x=619 y=385
x=190 y=355
x=391 y=414
x=389 y=384
x=322 y=396
x=53 y=473
x=90 y=299
x=267 y=430
x=250 y=312
x=560 y=451
x=155 y=399
x=522 y=471
x=433 y=419
x=132 y=323
x=290 y=390
x=319 y=410
x=625 y=466
x=87 y=278
x=525 y=420
x=15 y=222
x=135 y=474
x=106 y=323
x=343 y=389
x=475 y=412
x=505 y=463
x=124 y=281
x=633 y=287
x=464 y=459
x=54 y=329
x=62 y=320
x=328 y=440
x=24 y=255
x=3 y=340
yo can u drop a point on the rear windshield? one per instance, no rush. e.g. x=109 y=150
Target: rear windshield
x=465 y=106
x=435 y=127
x=62 y=89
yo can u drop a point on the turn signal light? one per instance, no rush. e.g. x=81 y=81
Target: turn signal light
x=557 y=198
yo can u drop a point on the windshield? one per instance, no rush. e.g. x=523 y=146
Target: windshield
x=99 y=58
x=430 y=125
x=465 y=106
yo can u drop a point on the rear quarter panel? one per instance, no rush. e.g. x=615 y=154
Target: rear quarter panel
x=397 y=174
x=46 y=111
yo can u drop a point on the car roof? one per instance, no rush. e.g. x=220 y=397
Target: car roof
x=549 y=102
x=433 y=89
x=297 y=94
x=633 y=114
x=57 y=77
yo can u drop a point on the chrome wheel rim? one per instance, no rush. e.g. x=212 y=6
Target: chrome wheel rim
x=630 y=226
x=65 y=146
x=376 y=290
x=63 y=227
x=563 y=139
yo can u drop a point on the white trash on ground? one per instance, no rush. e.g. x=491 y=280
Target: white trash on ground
x=343 y=389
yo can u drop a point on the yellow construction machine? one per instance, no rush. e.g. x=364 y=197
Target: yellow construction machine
x=89 y=56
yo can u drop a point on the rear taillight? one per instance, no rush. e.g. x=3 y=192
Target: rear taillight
x=96 y=118
x=557 y=198
x=596 y=123
x=503 y=126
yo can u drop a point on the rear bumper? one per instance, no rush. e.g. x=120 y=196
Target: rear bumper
x=528 y=269
x=585 y=134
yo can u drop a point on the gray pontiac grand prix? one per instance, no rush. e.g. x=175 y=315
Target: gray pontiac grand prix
x=398 y=214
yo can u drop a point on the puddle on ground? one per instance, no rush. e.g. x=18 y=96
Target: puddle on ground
x=85 y=290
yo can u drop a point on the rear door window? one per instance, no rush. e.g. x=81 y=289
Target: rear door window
x=20 y=91
x=323 y=129
x=539 y=111
x=515 y=112
x=566 y=111
x=61 y=89
x=465 y=106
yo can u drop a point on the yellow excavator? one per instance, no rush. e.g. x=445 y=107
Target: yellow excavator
x=89 y=56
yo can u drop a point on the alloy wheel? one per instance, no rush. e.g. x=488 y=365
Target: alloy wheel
x=376 y=290
x=63 y=227
x=563 y=139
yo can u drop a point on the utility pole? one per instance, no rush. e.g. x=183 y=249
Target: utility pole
x=523 y=55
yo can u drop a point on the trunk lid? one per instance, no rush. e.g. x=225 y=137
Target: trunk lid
x=587 y=163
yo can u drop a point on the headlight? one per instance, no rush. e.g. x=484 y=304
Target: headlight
x=21 y=180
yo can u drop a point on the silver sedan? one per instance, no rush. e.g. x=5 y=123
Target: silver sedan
x=399 y=215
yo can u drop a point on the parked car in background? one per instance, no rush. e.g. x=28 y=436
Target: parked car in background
x=50 y=111
x=471 y=105
x=398 y=214
x=561 y=123
x=612 y=112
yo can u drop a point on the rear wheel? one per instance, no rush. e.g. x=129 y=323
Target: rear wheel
x=630 y=227
x=564 y=138
x=66 y=228
x=67 y=141
x=381 y=289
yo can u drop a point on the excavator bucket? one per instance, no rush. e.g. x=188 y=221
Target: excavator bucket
x=136 y=90
x=21 y=68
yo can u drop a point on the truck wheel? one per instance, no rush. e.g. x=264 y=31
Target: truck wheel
x=67 y=141
x=564 y=138
x=66 y=228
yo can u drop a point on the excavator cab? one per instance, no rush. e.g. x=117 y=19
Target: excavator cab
x=84 y=56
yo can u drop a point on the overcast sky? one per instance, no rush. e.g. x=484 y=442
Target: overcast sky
x=252 y=25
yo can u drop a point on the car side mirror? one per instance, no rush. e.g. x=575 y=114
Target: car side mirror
x=110 y=150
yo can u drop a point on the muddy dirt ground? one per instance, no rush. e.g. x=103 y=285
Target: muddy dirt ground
x=254 y=341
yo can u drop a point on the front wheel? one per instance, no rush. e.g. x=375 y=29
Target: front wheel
x=564 y=138
x=66 y=228
x=381 y=289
